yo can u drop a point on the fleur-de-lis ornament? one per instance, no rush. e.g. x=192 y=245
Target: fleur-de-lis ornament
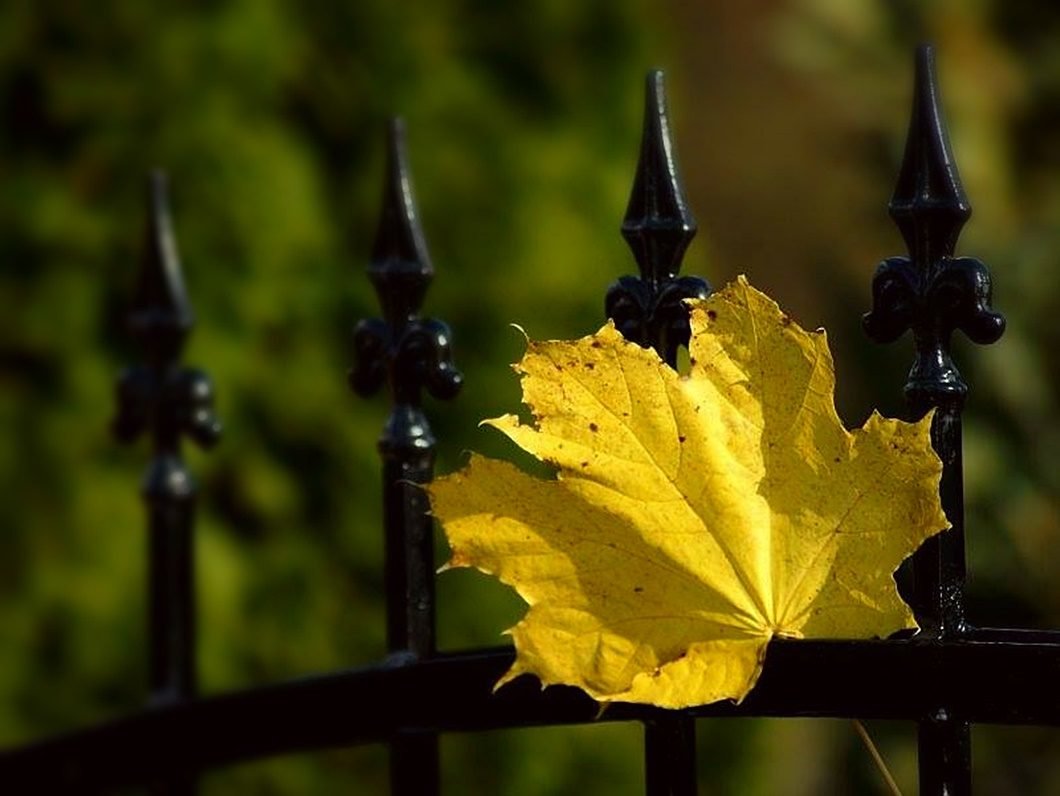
x=931 y=291
x=409 y=353
x=167 y=401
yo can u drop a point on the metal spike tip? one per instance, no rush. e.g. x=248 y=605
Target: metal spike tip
x=160 y=306
x=929 y=205
x=400 y=268
x=399 y=242
x=658 y=225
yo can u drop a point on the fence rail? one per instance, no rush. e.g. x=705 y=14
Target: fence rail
x=945 y=678
x=992 y=676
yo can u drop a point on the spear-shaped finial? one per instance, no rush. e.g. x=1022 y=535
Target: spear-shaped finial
x=167 y=402
x=658 y=225
x=160 y=315
x=174 y=400
x=658 y=228
x=400 y=268
x=931 y=291
x=412 y=352
x=928 y=205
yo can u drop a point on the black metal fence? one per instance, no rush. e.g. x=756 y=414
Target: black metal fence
x=946 y=677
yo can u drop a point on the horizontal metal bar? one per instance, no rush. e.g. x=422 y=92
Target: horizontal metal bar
x=1013 y=635
x=994 y=678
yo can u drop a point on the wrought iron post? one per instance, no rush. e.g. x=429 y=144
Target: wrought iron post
x=410 y=354
x=167 y=401
x=933 y=293
x=649 y=311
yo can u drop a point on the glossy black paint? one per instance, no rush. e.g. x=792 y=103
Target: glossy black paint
x=987 y=676
x=649 y=310
x=410 y=354
x=933 y=293
x=166 y=401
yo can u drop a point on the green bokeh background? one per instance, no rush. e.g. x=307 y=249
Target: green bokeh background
x=523 y=123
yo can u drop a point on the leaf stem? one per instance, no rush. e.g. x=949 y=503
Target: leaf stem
x=877 y=758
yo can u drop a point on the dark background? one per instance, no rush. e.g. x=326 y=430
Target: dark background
x=523 y=123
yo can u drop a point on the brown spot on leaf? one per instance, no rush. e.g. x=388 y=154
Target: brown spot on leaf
x=595 y=344
x=590 y=366
x=681 y=438
x=638 y=589
x=586 y=464
x=712 y=315
x=593 y=427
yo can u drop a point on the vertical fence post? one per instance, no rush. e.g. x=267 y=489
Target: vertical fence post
x=934 y=293
x=167 y=401
x=410 y=354
x=649 y=311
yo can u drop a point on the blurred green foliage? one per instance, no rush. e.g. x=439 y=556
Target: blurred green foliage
x=523 y=125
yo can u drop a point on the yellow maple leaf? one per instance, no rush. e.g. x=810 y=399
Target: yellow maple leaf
x=693 y=518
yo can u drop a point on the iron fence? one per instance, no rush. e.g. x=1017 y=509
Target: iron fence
x=944 y=678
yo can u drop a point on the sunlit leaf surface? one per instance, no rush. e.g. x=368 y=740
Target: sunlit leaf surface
x=692 y=518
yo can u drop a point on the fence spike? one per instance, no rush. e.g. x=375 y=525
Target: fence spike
x=169 y=402
x=931 y=291
x=929 y=205
x=658 y=227
x=411 y=352
x=160 y=315
x=401 y=268
x=650 y=311
x=178 y=401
